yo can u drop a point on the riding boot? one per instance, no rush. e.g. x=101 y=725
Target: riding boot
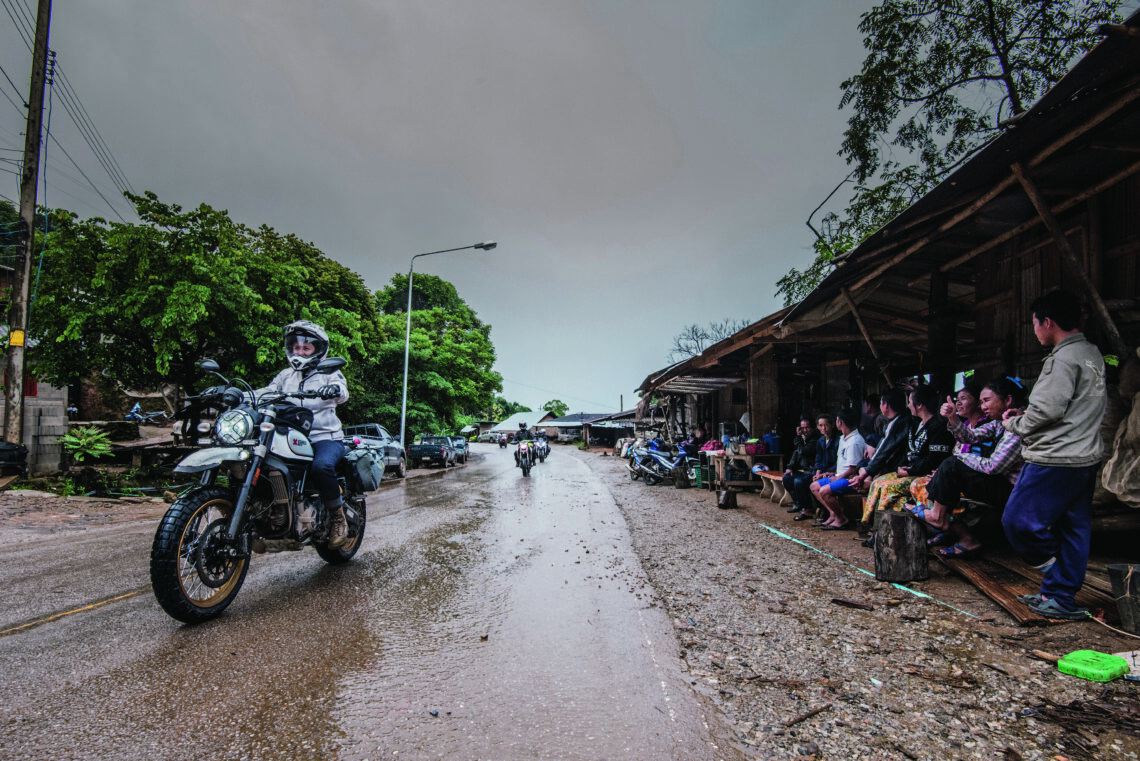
x=338 y=526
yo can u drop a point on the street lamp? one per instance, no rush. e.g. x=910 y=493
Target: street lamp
x=485 y=246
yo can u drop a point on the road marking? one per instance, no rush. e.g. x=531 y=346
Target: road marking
x=93 y=605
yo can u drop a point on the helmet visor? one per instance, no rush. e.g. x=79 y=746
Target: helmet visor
x=304 y=346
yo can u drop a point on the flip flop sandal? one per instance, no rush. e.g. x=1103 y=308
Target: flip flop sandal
x=941 y=539
x=1052 y=609
x=958 y=551
x=844 y=527
x=921 y=512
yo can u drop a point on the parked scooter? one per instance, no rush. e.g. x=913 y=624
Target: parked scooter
x=656 y=463
x=146 y=418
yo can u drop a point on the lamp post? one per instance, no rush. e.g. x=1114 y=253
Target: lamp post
x=485 y=246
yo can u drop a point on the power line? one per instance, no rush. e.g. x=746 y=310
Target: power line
x=26 y=28
x=83 y=122
x=89 y=182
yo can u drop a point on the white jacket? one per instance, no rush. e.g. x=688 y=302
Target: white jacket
x=326 y=425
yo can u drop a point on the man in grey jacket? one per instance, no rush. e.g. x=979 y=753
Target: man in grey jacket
x=1048 y=518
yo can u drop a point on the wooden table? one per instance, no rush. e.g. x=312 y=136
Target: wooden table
x=775 y=463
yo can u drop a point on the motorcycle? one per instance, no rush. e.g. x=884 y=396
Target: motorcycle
x=502 y=442
x=542 y=449
x=146 y=418
x=253 y=496
x=656 y=462
x=524 y=456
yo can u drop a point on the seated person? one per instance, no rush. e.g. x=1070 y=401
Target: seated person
x=828 y=488
x=826 y=454
x=873 y=421
x=928 y=444
x=889 y=454
x=986 y=479
x=968 y=407
x=800 y=464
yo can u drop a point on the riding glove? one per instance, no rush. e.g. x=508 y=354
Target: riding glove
x=329 y=392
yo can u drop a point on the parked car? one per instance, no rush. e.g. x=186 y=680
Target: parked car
x=432 y=450
x=462 y=448
x=377 y=437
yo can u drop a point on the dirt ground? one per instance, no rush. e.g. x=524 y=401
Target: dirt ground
x=812 y=658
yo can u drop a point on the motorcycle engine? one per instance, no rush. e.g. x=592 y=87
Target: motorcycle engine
x=309 y=516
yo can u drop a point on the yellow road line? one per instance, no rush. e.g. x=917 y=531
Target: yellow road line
x=30 y=624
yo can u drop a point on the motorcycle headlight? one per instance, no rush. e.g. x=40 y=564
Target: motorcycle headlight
x=234 y=426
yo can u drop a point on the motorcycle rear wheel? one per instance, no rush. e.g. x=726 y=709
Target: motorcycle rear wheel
x=345 y=552
x=194 y=575
x=651 y=479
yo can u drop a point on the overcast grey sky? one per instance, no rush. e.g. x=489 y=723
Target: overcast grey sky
x=643 y=165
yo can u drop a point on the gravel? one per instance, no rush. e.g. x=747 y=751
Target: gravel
x=798 y=675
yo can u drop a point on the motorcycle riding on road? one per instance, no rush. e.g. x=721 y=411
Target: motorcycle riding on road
x=255 y=494
x=525 y=456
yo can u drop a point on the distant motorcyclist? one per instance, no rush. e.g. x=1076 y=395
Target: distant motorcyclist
x=523 y=434
x=306 y=344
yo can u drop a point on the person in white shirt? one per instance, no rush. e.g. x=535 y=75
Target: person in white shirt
x=828 y=489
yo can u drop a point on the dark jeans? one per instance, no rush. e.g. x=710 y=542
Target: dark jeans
x=1050 y=515
x=955 y=479
x=796 y=483
x=326 y=454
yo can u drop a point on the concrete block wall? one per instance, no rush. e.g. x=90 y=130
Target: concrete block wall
x=45 y=420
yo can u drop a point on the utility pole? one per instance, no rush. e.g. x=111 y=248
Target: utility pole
x=18 y=314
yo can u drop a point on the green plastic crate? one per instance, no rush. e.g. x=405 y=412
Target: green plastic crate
x=1094 y=666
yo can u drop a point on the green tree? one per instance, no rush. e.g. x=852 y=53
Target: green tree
x=941 y=78
x=143 y=303
x=556 y=407
x=450 y=356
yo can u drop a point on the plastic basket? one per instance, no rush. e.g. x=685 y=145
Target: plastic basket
x=1094 y=666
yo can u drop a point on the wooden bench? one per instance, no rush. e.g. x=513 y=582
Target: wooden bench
x=773 y=487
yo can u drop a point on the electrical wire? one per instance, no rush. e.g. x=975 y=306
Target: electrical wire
x=26 y=29
x=89 y=181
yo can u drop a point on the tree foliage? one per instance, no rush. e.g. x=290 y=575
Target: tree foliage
x=556 y=407
x=694 y=339
x=143 y=303
x=940 y=79
x=450 y=355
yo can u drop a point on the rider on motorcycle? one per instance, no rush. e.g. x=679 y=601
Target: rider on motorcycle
x=306 y=344
x=524 y=434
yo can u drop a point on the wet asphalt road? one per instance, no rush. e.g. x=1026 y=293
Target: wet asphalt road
x=487 y=616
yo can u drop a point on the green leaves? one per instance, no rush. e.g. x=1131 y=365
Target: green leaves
x=85 y=442
x=939 y=79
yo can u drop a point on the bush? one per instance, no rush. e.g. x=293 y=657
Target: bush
x=80 y=443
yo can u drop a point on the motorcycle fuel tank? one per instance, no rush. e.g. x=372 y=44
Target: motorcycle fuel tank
x=292 y=445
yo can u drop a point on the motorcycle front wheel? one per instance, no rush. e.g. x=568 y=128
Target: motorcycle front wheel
x=357 y=514
x=526 y=467
x=194 y=572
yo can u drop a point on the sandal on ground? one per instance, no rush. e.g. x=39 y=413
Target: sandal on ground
x=844 y=527
x=1053 y=609
x=818 y=524
x=940 y=539
x=804 y=515
x=1029 y=599
x=958 y=551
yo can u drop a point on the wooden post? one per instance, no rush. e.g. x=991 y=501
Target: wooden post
x=863 y=329
x=942 y=335
x=1069 y=257
x=900 y=547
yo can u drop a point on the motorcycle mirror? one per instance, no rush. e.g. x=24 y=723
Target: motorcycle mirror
x=209 y=366
x=331 y=365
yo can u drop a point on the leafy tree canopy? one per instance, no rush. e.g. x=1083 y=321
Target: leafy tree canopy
x=556 y=407
x=939 y=80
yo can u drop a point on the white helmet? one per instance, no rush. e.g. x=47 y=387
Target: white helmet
x=306 y=344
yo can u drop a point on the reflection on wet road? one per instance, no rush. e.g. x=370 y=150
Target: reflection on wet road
x=487 y=616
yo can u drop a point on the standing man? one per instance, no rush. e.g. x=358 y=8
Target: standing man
x=1048 y=518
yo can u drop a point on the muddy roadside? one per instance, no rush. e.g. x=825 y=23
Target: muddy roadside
x=810 y=657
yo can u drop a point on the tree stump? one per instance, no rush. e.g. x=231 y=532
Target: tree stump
x=726 y=500
x=900 y=547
